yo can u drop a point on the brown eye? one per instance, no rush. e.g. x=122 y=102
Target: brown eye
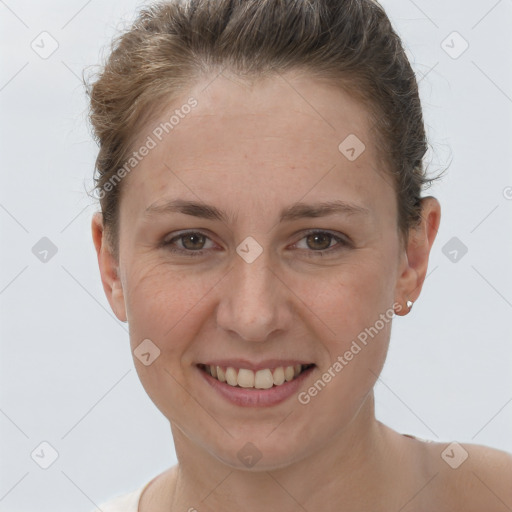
x=189 y=243
x=319 y=241
x=193 y=241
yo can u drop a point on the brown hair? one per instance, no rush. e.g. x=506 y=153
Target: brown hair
x=171 y=44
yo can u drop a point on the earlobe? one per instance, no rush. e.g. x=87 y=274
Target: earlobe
x=109 y=268
x=419 y=245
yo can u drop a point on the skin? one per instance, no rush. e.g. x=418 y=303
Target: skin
x=253 y=150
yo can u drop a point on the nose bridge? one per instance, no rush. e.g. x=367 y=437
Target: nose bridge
x=250 y=305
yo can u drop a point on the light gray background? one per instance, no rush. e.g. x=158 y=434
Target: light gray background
x=67 y=375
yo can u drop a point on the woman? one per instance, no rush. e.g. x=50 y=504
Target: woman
x=260 y=179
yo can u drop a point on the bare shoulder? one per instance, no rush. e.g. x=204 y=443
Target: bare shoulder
x=472 y=477
x=490 y=470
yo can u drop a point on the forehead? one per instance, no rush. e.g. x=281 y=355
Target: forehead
x=283 y=135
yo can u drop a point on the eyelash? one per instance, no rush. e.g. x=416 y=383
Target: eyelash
x=343 y=243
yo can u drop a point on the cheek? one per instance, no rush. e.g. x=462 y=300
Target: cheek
x=167 y=305
x=352 y=297
x=163 y=306
x=358 y=310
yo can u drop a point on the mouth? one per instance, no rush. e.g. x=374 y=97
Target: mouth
x=264 y=378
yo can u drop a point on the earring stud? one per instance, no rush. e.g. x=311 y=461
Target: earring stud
x=409 y=304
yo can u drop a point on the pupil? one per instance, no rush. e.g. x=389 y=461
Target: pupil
x=320 y=236
x=192 y=237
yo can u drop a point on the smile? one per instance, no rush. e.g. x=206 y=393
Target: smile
x=265 y=378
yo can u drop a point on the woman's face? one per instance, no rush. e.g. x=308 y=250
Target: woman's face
x=246 y=285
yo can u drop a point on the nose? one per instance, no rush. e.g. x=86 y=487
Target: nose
x=253 y=303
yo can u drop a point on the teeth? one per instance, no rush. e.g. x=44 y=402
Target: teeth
x=221 y=375
x=231 y=376
x=261 y=379
x=278 y=376
x=245 y=378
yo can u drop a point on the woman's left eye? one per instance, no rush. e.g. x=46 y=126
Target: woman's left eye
x=318 y=242
x=323 y=239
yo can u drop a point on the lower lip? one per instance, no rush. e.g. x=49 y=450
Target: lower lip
x=251 y=397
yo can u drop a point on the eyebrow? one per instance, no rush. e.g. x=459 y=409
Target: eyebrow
x=294 y=212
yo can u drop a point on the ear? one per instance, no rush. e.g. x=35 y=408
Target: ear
x=109 y=268
x=414 y=264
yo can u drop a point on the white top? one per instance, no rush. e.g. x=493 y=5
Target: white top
x=125 y=503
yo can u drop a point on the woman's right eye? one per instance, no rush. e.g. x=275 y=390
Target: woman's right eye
x=192 y=243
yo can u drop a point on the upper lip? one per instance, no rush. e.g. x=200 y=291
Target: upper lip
x=255 y=366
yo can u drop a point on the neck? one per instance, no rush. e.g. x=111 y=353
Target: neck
x=351 y=469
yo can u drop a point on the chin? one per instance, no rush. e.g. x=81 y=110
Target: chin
x=261 y=452
x=250 y=458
